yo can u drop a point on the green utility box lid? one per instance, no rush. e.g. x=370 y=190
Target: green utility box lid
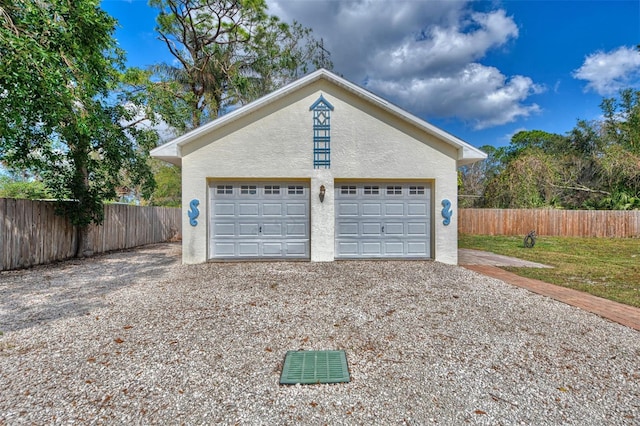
x=311 y=367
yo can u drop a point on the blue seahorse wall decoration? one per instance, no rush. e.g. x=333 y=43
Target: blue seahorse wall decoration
x=446 y=212
x=193 y=213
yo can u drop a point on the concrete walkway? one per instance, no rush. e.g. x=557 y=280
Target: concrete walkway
x=488 y=264
x=478 y=257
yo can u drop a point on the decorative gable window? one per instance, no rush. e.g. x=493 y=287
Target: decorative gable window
x=321 y=133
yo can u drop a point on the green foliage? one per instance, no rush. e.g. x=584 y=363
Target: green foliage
x=527 y=182
x=584 y=139
x=473 y=178
x=622 y=120
x=595 y=166
x=168 y=184
x=59 y=116
x=619 y=200
x=227 y=52
x=26 y=189
x=549 y=143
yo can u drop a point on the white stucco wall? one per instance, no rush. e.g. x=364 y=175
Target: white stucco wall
x=276 y=143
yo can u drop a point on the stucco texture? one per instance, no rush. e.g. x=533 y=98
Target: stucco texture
x=275 y=142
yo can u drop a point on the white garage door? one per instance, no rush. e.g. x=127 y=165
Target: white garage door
x=390 y=220
x=259 y=220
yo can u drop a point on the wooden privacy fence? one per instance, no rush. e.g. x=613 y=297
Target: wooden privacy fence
x=566 y=223
x=31 y=234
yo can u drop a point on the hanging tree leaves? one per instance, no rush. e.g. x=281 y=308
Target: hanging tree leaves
x=228 y=52
x=58 y=116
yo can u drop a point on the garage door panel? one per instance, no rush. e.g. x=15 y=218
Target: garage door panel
x=261 y=220
x=394 y=228
x=417 y=209
x=371 y=209
x=272 y=229
x=248 y=209
x=298 y=249
x=372 y=248
x=417 y=229
x=272 y=209
x=394 y=248
x=417 y=248
x=297 y=210
x=224 y=249
x=403 y=228
x=297 y=230
x=371 y=228
x=248 y=229
x=348 y=248
x=272 y=249
x=394 y=209
x=224 y=230
x=224 y=209
x=347 y=229
x=248 y=249
x=348 y=209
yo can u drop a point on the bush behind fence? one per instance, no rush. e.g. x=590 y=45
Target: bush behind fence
x=565 y=223
x=31 y=234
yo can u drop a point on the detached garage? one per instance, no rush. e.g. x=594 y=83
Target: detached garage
x=319 y=170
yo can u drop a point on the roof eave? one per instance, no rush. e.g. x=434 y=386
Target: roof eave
x=469 y=156
x=168 y=152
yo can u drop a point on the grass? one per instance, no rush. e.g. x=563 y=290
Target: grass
x=604 y=267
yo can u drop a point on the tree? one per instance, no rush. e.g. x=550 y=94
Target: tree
x=21 y=188
x=527 y=181
x=168 y=184
x=607 y=156
x=551 y=143
x=622 y=119
x=228 y=52
x=59 y=118
x=474 y=177
x=596 y=165
x=619 y=174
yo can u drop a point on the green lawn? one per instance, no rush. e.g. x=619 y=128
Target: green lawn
x=604 y=267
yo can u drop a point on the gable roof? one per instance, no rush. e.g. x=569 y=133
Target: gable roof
x=172 y=150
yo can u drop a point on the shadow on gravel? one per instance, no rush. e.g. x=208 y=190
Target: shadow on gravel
x=73 y=288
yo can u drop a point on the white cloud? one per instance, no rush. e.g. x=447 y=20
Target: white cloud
x=477 y=94
x=445 y=49
x=608 y=72
x=356 y=30
x=423 y=55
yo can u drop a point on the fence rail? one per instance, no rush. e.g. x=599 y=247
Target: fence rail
x=566 y=223
x=31 y=234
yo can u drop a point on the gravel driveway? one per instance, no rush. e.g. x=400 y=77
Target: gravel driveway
x=135 y=337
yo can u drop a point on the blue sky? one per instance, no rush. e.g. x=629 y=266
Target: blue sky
x=480 y=70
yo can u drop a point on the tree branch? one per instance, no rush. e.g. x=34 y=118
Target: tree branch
x=581 y=188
